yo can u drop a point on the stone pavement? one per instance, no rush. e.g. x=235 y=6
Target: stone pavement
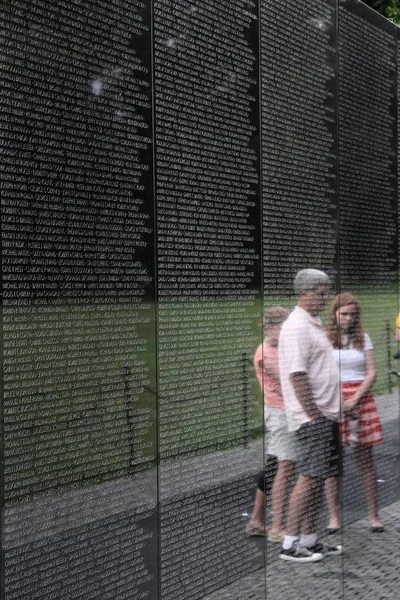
x=370 y=566
x=369 y=569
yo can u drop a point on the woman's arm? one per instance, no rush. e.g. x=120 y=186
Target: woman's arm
x=367 y=383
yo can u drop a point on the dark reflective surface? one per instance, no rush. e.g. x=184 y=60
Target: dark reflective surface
x=168 y=167
x=368 y=231
x=299 y=143
x=208 y=238
x=79 y=397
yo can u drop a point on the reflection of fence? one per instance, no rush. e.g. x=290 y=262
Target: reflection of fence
x=245 y=396
x=390 y=334
x=389 y=356
x=132 y=380
x=242 y=377
x=95 y=438
x=129 y=412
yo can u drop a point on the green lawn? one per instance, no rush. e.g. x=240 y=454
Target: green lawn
x=377 y=310
x=80 y=401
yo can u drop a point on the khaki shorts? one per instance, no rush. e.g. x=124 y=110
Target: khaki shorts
x=280 y=442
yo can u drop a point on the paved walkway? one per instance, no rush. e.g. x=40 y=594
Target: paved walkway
x=368 y=569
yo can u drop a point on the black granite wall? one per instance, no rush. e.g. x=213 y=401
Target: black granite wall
x=167 y=167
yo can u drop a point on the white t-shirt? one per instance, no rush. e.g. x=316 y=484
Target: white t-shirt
x=351 y=362
x=304 y=348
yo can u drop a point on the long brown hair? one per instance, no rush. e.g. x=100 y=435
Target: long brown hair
x=332 y=325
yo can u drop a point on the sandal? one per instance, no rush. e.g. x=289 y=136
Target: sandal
x=276 y=538
x=256 y=530
x=332 y=530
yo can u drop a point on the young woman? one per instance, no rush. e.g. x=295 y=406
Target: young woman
x=281 y=443
x=360 y=427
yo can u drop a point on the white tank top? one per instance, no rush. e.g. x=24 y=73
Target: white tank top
x=351 y=362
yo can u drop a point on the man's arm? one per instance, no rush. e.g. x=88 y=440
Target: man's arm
x=302 y=389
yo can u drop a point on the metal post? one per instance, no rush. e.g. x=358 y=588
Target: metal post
x=389 y=357
x=245 y=395
x=129 y=413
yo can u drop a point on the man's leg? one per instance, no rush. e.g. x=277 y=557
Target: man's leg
x=286 y=469
x=312 y=510
x=318 y=460
x=304 y=506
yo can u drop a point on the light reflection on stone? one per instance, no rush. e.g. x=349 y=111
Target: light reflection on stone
x=97 y=87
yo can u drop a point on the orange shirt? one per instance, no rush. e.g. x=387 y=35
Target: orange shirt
x=270 y=387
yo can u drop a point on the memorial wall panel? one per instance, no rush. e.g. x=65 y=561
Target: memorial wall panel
x=299 y=170
x=368 y=233
x=208 y=237
x=78 y=313
x=368 y=147
x=299 y=154
x=168 y=167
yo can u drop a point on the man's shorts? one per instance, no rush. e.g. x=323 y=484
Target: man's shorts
x=318 y=448
x=280 y=442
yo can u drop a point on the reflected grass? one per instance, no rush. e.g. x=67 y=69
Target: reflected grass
x=85 y=399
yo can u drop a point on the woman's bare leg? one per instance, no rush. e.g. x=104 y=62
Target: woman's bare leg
x=258 y=514
x=366 y=465
x=332 y=491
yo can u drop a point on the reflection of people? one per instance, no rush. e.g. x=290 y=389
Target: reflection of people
x=256 y=525
x=280 y=441
x=361 y=426
x=310 y=389
x=397 y=355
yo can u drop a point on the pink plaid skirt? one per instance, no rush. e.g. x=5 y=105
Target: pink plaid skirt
x=369 y=429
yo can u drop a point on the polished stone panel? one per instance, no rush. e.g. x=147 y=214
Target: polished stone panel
x=167 y=168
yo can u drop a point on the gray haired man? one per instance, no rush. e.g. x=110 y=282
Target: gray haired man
x=310 y=389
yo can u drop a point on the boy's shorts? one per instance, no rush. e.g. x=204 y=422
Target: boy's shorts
x=280 y=442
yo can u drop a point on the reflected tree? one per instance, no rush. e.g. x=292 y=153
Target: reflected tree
x=388 y=8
